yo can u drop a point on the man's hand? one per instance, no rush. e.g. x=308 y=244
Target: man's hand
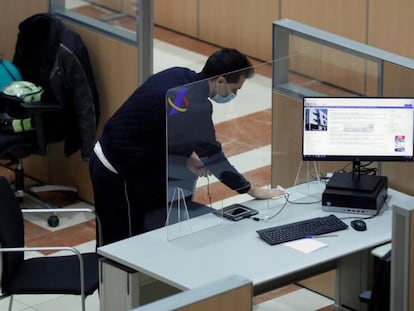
x=264 y=193
x=195 y=165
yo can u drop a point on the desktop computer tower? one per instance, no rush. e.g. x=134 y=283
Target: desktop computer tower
x=347 y=193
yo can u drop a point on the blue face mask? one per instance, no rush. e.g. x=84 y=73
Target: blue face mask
x=223 y=100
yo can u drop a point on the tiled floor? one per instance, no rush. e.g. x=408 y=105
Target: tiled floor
x=245 y=134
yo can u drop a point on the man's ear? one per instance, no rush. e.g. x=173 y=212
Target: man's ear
x=220 y=79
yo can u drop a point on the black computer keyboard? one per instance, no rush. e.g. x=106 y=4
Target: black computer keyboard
x=302 y=229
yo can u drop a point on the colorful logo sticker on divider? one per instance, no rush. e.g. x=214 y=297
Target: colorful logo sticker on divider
x=179 y=104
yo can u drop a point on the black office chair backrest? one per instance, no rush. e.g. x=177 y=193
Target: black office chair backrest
x=11 y=231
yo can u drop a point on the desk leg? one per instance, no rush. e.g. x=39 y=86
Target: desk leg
x=354 y=274
x=121 y=288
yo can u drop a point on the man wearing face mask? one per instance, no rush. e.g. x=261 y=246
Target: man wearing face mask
x=128 y=168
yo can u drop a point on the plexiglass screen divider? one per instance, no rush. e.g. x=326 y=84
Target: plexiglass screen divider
x=213 y=149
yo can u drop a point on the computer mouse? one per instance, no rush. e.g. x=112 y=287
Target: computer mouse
x=359 y=225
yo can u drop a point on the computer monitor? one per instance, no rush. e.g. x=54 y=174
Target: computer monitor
x=358 y=129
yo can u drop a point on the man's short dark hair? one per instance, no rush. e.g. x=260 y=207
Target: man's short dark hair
x=229 y=63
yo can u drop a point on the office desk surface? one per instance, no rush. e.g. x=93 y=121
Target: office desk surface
x=235 y=247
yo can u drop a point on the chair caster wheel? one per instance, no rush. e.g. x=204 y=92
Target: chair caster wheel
x=53 y=221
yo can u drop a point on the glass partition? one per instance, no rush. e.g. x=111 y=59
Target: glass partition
x=310 y=62
x=215 y=150
x=129 y=21
x=313 y=62
x=115 y=17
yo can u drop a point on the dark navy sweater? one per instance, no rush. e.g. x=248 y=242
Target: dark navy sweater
x=134 y=139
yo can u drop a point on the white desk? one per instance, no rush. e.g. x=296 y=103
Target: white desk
x=235 y=248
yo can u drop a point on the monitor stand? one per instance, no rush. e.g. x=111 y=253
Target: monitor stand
x=355 y=192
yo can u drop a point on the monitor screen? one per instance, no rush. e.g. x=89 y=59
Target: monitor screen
x=358 y=129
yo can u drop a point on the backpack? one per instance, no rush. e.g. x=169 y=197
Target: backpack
x=13 y=118
x=8 y=73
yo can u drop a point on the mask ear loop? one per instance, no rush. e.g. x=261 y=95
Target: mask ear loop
x=218 y=86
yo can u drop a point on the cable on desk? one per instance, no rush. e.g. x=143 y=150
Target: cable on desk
x=281 y=209
x=312 y=202
x=256 y=218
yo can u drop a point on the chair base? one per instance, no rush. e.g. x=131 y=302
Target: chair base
x=53 y=220
x=31 y=193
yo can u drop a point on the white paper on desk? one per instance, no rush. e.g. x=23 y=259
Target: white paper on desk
x=307 y=245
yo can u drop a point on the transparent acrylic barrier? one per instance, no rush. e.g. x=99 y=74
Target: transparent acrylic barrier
x=223 y=143
x=253 y=143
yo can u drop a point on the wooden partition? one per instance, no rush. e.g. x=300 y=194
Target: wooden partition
x=391 y=26
x=344 y=18
x=381 y=23
x=12 y=13
x=241 y=24
x=177 y=15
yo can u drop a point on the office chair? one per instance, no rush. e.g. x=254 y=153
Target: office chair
x=71 y=275
x=52 y=56
x=14 y=147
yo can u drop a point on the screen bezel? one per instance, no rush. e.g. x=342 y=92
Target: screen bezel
x=352 y=158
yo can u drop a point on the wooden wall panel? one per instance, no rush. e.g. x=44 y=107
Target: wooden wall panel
x=177 y=15
x=12 y=13
x=391 y=26
x=344 y=18
x=234 y=23
x=246 y=28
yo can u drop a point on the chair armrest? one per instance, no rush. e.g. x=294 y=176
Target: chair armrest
x=40 y=249
x=42 y=107
x=69 y=210
x=37 y=111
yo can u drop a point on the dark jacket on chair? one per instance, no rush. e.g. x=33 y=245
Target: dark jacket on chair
x=50 y=54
